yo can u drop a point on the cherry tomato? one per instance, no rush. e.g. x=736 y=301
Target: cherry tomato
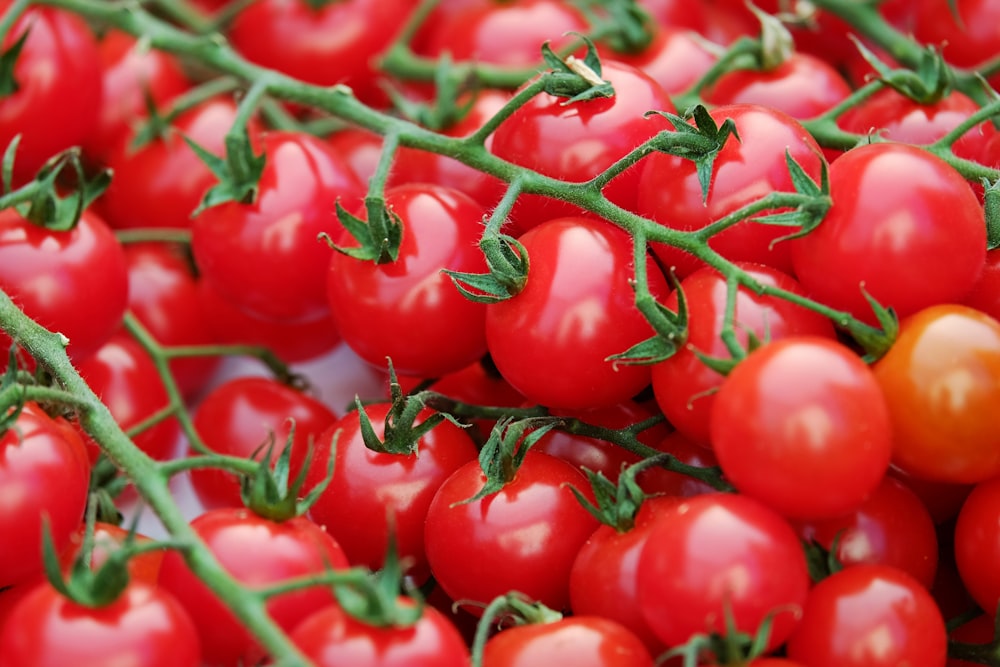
x=552 y=340
x=814 y=453
x=107 y=539
x=871 y=615
x=373 y=304
x=985 y=294
x=941 y=378
x=583 y=641
x=675 y=58
x=977 y=544
x=961 y=31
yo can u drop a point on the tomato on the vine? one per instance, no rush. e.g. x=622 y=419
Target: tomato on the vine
x=582 y=641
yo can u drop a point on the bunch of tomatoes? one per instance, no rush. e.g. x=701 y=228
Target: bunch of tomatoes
x=663 y=332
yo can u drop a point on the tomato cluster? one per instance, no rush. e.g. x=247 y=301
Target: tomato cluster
x=632 y=333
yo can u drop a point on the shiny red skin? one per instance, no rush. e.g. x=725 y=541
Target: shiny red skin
x=332 y=638
x=523 y=538
x=582 y=641
x=73 y=282
x=576 y=142
x=368 y=485
x=904 y=223
x=124 y=376
x=684 y=386
x=579 y=268
x=293 y=548
x=943 y=500
x=733 y=552
x=144 y=627
x=744 y=171
x=43 y=472
x=58 y=74
x=891 y=528
x=814 y=453
x=360 y=149
x=372 y=303
x=870 y=615
x=239 y=417
x=985 y=293
x=977 y=545
x=264 y=256
x=966 y=37
x=675 y=58
x=676 y=13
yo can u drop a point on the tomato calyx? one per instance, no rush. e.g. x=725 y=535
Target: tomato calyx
x=731 y=647
x=618 y=504
x=699 y=143
x=158 y=124
x=452 y=98
x=8 y=83
x=808 y=215
x=991 y=196
x=507 y=261
x=928 y=84
x=512 y=608
x=573 y=78
x=820 y=561
x=626 y=27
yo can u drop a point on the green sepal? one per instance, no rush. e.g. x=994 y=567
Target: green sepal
x=929 y=83
x=876 y=342
x=808 y=215
x=671 y=332
x=618 y=504
x=991 y=198
x=699 y=143
x=52 y=210
x=625 y=26
x=7 y=166
x=508 y=272
x=8 y=61
x=776 y=40
x=238 y=173
x=821 y=562
x=14 y=402
x=106 y=484
x=575 y=79
x=449 y=85
x=378 y=238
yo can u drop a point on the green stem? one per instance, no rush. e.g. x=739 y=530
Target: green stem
x=234 y=464
x=153 y=235
x=11 y=16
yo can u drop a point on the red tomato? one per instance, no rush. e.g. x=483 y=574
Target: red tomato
x=107 y=539
x=331 y=638
x=943 y=500
x=904 y=225
x=551 y=341
x=736 y=555
x=43 y=473
x=675 y=59
x=985 y=294
x=256 y=552
x=817 y=452
x=239 y=416
x=58 y=78
x=74 y=282
x=977 y=544
x=744 y=171
x=870 y=615
x=264 y=256
x=962 y=34
x=144 y=627
x=577 y=141
x=373 y=303
x=582 y=641
x=683 y=385
x=523 y=538
x=941 y=380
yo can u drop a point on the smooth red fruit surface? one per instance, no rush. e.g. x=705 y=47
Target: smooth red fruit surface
x=977 y=544
x=675 y=58
x=582 y=641
x=985 y=294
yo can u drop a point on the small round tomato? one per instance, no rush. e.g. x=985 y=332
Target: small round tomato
x=977 y=545
x=814 y=453
x=144 y=627
x=675 y=58
x=718 y=556
x=552 y=340
x=941 y=380
x=870 y=616
x=985 y=294
x=960 y=30
x=582 y=641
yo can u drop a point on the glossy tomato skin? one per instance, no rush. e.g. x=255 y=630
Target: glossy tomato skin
x=74 y=282
x=977 y=546
x=331 y=638
x=733 y=552
x=521 y=538
x=744 y=171
x=963 y=34
x=870 y=615
x=903 y=223
x=144 y=627
x=675 y=58
x=373 y=303
x=551 y=340
x=985 y=294
x=292 y=548
x=576 y=142
x=584 y=641
x=683 y=385
x=814 y=453
x=941 y=380
x=58 y=74
x=44 y=472
x=367 y=485
x=239 y=416
x=264 y=256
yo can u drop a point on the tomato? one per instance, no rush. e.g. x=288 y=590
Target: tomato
x=335 y=43
x=675 y=59
x=904 y=225
x=985 y=294
x=891 y=528
x=74 y=282
x=144 y=627
x=977 y=544
x=523 y=538
x=578 y=141
x=683 y=385
x=331 y=638
x=256 y=552
x=583 y=641
x=962 y=34
x=264 y=256
x=239 y=416
x=373 y=303
x=58 y=79
x=941 y=379
x=552 y=340
x=108 y=538
x=744 y=171
x=368 y=485
x=942 y=499
x=871 y=615
x=44 y=473
x=676 y=13
x=737 y=557
x=814 y=453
